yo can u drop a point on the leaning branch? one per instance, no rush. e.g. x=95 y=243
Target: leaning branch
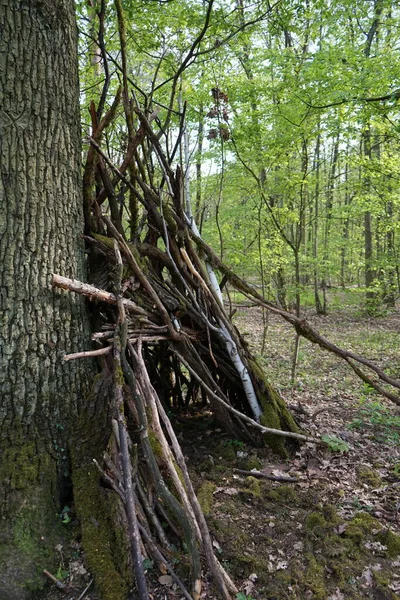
x=243 y=417
x=302 y=326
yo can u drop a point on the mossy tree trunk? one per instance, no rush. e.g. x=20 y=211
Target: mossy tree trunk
x=40 y=225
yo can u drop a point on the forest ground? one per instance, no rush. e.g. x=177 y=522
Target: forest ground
x=334 y=533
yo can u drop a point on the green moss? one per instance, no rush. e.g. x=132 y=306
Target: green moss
x=225 y=451
x=282 y=494
x=316 y=524
x=99 y=510
x=253 y=487
x=355 y=533
x=205 y=496
x=330 y=514
x=370 y=477
x=366 y=522
x=269 y=418
x=21 y=465
x=275 y=413
x=391 y=541
x=103 y=239
x=119 y=376
x=314 y=578
x=30 y=524
x=102 y=547
x=252 y=462
x=333 y=546
x=155 y=444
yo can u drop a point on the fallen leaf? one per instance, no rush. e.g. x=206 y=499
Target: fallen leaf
x=166 y=580
x=248 y=587
x=231 y=491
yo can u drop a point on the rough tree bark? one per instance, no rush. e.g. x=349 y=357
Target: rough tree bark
x=40 y=224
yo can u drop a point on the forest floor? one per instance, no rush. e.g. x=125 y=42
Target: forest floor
x=333 y=534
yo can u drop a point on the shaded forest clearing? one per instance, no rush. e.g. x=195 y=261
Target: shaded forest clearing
x=334 y=532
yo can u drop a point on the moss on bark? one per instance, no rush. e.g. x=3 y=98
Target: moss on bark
x=99 y=510
x=30 y=526
x=275 y=413
x=103 y=543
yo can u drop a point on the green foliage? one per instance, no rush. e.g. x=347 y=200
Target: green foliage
x=286 y=179
x=65 y=515
x=148 y=564
x=334 y=443
x=374 y=416
x=243 y=596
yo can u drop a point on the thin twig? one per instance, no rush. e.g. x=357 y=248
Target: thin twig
x=59 y=584
x=85 y=591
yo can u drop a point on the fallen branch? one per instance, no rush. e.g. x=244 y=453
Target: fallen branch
x=261 y=475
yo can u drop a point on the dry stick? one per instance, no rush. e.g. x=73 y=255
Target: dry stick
x=111 y=482
x=134 y=535
x=216 y=569
x=93 y=293
x=88 y=353
x=288 y=434
x=148 y=392
x=162 y=490
x=61 y=586
x=160 y=557
x=302 y=327
x=375 y=385
x=85 y=591
x=261 y=475
x=229 y=338
x=152 y=516
x=204 y=534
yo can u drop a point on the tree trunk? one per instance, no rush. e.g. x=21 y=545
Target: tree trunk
x=40 y=221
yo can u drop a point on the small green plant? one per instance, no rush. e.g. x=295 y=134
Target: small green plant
x=65 y=518
x=238 y=444
x=334 y=443
x=396 y=469
x=242 y=596
x=376 y=417
x=62 y=573
x=148 y=564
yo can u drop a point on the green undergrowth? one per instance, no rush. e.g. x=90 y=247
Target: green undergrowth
x=377 y=420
